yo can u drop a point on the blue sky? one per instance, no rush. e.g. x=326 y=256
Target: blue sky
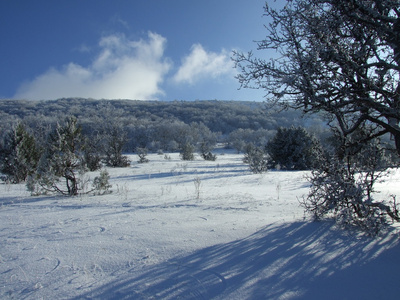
x=126 y=49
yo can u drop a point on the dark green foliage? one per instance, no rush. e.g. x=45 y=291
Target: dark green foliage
x=205 y=150
x=209 y=156
x=294 y=149
x=186 y=152
x=256 y=158
x=19 y=154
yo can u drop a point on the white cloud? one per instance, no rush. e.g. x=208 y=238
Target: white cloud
x=202 y=64
x=123 y=69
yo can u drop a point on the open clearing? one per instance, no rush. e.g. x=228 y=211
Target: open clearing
x=174 y=229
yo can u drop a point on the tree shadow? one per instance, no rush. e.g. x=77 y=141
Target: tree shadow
x=17 y=200
x=291 y=261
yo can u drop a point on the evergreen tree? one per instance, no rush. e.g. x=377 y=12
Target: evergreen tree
x=19 y=154
x=294 y=149
x=62 y=161
x=187 y=151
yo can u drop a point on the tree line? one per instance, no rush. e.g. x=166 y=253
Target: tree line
x=41 y=149
x=158 y=126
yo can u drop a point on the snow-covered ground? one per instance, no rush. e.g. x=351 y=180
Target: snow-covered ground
x=175 y=229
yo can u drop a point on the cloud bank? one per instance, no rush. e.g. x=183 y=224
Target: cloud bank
x=124 y=69
x=202 y=64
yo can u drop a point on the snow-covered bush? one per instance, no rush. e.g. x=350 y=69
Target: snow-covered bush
x=344 y=190
x=142 y=153
x=101 y=183
x=256 y=158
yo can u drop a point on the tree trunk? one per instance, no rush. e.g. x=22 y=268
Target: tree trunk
x=397 y=142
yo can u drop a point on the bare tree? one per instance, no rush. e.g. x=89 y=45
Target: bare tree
x=333 y=56
x=341 y=58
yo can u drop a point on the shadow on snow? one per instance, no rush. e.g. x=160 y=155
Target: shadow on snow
x=292 y=261
x=182 y=173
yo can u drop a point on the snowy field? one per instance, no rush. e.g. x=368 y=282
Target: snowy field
x=175 y=229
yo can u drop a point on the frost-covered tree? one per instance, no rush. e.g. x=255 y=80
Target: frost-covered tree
x=334 y=56
x=240 y=138
x=186 y=152
x=62 y=161
x=345 y=191
x=113 y=136
x=294 y=149
x=341 y=58
x=19 y=154
x=115 y=139
x=203 y=137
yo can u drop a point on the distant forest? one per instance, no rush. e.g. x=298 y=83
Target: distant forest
x=160 y=125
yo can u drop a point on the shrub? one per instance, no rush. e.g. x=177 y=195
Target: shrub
x=205 y=150
x=187 y=152
x=209 y=156
x=142 y=153
x=256 y=158
x=344 y=190
x=293 y=149
x=101 y=183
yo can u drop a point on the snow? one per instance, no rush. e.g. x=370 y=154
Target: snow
x=158 y=235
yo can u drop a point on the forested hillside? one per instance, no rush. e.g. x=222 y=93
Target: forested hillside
x=155 y=124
